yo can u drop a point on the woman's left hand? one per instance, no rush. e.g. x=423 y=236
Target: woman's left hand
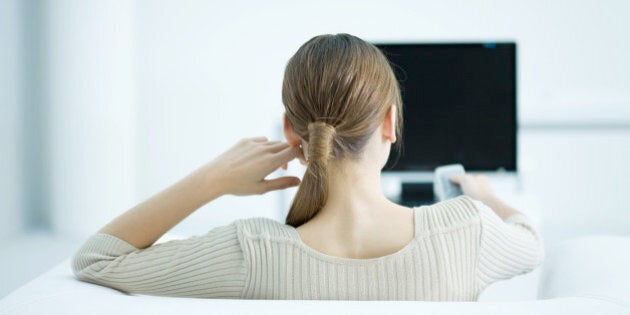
x=242 y=169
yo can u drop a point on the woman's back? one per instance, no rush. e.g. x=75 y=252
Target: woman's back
x=454 y=254
x=374 y=231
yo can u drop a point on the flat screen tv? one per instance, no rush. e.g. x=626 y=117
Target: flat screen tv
x=459 y=105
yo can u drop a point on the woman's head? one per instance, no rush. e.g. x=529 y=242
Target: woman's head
x=338 y=92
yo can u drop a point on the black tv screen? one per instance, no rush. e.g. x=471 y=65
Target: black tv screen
x=459 y=105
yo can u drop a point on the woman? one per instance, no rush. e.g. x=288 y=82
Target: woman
x=342 y=238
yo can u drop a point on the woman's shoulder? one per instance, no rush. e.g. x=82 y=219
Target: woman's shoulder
x=448 y=214
x=263 y=227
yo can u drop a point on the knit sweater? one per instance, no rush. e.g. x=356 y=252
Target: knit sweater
x=460 y=246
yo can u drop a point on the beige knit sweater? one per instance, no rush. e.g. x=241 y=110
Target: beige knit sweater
x=460 y=247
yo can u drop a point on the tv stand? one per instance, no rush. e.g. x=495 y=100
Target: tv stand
x=417 y=194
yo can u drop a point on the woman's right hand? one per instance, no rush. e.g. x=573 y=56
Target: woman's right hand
x=242 y=170
x=475 y=186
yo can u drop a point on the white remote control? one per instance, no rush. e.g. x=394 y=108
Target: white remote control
x=443 y=187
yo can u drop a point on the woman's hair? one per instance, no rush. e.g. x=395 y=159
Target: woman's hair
x=337 y=90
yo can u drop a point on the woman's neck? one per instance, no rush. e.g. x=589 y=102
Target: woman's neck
x=357 y=220
x=355 y=196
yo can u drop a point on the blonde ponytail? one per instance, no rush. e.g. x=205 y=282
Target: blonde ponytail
x=313 y=192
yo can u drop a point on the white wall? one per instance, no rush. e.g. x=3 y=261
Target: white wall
x=571 y=55
x=10 y=120
x=91 y=101
x=580 y=177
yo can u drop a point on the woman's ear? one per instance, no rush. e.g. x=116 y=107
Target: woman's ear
x=389 y=125
x=292 y=138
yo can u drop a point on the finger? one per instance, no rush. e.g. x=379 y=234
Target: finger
x=277 y=147
x=286 y=155
x=259 y=139
x=281 y=183
x=300 y=155
x=272 y=143
x=276 y=160
x=457 y=178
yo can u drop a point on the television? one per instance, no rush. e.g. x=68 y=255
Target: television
x=459 y=105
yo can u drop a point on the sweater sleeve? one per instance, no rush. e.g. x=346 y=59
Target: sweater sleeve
x=207 y=266
x=507 y=248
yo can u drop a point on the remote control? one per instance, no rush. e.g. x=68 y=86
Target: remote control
x=443 y=187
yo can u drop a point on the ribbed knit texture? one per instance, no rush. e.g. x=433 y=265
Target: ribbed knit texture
x=460 y=247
